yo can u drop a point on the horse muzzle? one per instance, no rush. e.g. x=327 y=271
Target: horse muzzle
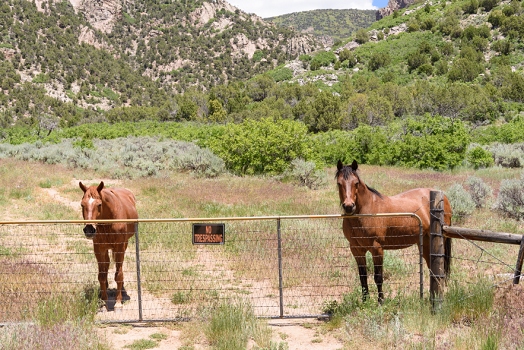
x=89 y=231
x=349 y=209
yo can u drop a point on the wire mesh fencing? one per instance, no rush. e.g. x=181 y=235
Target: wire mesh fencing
x=282 y=267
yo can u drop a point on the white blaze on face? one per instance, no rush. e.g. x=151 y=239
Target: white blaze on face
x=91 y=200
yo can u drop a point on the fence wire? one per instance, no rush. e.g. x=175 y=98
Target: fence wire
x=180 y=280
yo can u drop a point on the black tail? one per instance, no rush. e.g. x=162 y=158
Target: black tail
x=447 y=256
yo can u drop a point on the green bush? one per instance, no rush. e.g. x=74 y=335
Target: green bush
x=323 y=59
x=281 y=74
x=432 y=142
x=362 y=36
x=378 y=60
x=263 y=146
x=478 y=157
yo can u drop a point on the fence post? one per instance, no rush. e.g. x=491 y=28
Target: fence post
x=520 y=259
x=436 y=245
x=139 y=287
x=280 y=278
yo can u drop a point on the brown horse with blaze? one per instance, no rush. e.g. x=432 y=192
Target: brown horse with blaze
x=376 y=234
x=100 y=203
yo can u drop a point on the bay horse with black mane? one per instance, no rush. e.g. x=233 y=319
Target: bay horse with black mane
x=100 y=203
x=375 y=234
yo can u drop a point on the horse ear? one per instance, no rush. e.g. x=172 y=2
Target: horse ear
x=340 y=165
x=100 y=186
x=82 y=186
x=354 y=165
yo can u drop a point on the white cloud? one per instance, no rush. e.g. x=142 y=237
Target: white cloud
x=271 y=8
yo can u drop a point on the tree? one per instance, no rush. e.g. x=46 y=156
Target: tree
x=378 y=60
x=326 y=113
x=217 y=113
x=362 y=36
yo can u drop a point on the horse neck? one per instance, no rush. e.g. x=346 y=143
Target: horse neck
x=110 y=205
x=365 y=199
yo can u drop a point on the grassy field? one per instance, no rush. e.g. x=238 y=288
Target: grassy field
x=481 y=308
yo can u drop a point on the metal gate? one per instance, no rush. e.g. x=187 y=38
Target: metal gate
x=290 y=266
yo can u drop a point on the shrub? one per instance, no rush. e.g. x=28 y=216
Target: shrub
x=362 y=36
x=265 y=146
x=508 y=156
x=478 y=157
x=510 y=199
x=202 y=162
x=480 y=191
x=432 y=142
x=323 y=59
x=378 y=60
x=281 y=74
x=461 y=202
x=306 y=174
x=122 y=157
x=415 y=60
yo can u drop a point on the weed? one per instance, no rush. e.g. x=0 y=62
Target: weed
x=142 y=344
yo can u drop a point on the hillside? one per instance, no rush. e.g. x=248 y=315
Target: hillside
x=332 y=25
x=75 y=59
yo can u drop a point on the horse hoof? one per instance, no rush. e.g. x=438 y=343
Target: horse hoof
x=118 y=307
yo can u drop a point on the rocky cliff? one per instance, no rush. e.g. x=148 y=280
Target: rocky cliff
x=392 y=6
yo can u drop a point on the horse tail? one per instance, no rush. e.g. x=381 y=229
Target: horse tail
x=447 y=256
x=447 y=242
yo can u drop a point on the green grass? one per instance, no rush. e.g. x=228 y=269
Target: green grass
x=232 y=324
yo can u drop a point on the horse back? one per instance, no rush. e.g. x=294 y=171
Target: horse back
x=124 y=207
x=417 y=201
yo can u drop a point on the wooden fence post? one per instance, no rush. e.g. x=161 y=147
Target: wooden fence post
x=437 y=273
x=520 y=259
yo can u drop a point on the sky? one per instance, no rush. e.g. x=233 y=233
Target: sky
x=271 y=8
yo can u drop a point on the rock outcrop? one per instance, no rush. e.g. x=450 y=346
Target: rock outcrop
x=392 y=6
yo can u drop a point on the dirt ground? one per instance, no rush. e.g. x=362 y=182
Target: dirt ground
x=292 y=334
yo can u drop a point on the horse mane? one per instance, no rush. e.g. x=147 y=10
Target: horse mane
x=346 y=171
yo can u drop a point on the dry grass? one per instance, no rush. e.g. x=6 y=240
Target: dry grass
x=173 y=195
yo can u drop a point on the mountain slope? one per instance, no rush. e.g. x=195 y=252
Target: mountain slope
x=70 y=59
x=336 y=24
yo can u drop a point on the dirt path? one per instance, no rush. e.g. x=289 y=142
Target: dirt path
x=292 y=334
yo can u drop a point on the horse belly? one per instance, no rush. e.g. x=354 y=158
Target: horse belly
x=400 y=238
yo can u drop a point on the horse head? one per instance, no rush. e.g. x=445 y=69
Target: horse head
x=348 y=184
x=91 y=206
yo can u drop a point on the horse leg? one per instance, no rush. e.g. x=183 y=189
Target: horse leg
x=378 y=261
x=360 y=257
x=102 y=257
x=119 y=275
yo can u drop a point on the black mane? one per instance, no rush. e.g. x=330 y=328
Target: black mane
x=346 y=171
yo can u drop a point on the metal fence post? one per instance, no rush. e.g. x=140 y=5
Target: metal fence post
x=139 y=287
x=280 y=278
